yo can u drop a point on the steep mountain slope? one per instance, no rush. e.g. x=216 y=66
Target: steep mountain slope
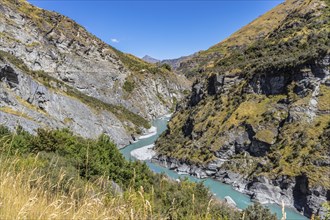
x=150 y=59
x=259 y=29
x=176 y=63
x=258 y=115
x=57 y=74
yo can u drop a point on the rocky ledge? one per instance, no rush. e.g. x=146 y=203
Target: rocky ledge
x=294 y=192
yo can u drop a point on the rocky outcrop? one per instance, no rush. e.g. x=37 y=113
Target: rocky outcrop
x=49 y=46
x=55 y=44
x=260 y=110
x=30 y=104
x=249 y=138
x=294 y=192
x=197 y=93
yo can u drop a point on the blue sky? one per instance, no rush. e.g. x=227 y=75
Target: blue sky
x=161 y=29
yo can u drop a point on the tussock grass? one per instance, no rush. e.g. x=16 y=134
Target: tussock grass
x=24 y=195
x=55 y=175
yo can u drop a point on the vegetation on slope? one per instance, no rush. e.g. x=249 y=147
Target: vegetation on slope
x=58 y=175
x=297 y=43
x=142 y=70
x=59 y=31
x=120 y=112
x=47 y=20
x=278 y=30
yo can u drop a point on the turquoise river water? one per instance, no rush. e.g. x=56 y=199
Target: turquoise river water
x=220 y=190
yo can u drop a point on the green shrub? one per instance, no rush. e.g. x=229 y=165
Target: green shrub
x=258 y=212
x=128 y=86
x=83 y=160
x=166 y=66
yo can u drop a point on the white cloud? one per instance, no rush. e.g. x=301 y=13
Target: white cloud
x=114 y=40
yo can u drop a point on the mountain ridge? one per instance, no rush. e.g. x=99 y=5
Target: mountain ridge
x=258 y=111
x=61 y=54
x=150 y=59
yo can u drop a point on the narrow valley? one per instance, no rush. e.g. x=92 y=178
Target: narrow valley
x=240 y=130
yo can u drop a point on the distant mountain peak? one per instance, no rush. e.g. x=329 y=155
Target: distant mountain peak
x=150 y=59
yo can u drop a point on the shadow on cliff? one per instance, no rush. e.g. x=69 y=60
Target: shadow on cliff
x=301 y=193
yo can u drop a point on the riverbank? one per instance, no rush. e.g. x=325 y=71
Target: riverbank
x=144 y=153
x=149 y=133
x=219 y=189
x=260 y=189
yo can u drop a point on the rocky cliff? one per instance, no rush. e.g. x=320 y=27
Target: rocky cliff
x=176 y=63
x=258 y=115
x=57 y=74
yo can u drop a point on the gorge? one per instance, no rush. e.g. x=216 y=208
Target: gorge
x=218 y=189
x=250 y=115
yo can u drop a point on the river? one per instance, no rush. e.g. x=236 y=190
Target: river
x=220 y=190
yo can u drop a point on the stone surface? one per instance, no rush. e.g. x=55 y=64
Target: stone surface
x=230 y=201
x=50 y=42
x=32 y=105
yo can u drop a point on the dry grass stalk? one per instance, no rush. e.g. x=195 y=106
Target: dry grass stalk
x=25 y=196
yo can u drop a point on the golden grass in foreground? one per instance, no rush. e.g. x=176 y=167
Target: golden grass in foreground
x=25 y=197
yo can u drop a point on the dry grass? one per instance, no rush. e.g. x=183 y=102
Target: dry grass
x=265 y=135
x=11 y=111
x=252 y=109
x=261 y=26
x=24 y=195
x=324 y=103
x=32 y=187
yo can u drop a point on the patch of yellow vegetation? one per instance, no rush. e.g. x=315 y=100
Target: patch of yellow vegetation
x=235 y=71
x=324 y=98
x=33 y=44
x=8 y=37
x=317 y=176
x=266 y=136
x=11 y=111
x=301 y=138
x=30 y=106
x=68 y=120
x=251 y=110
x=303 y=102
x=315 y=129
x=262 y=25
x=25 y=197
x=29 y=10
x=287 y=168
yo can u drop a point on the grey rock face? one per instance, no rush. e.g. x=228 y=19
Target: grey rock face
x=215 y=83
x=264 y=191
x=196 y=94
x=53 y=43
x=294 y=192
x=188 y=128
x=246 y=137
x=69 y=53
x=221 y=83
x=270 y=84
x=184 y=169
x=175 y=63
x=8 y=74
x=28 y=103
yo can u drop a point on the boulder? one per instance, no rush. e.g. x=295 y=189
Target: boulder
x=230 y=201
